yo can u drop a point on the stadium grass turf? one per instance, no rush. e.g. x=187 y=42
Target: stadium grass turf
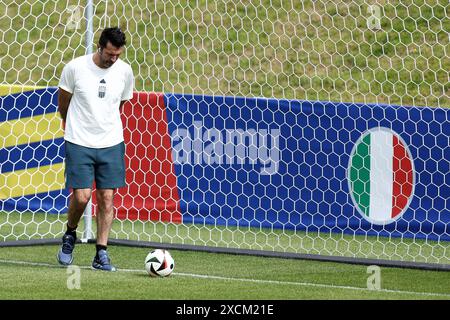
x=25 y=226
x=205 y=276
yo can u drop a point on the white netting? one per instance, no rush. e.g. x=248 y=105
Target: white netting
x=351 y=51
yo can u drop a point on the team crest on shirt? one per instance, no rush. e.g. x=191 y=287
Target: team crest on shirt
x=102 y=88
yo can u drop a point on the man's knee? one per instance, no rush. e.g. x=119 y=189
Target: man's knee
x=81 y=198
x=105 y=200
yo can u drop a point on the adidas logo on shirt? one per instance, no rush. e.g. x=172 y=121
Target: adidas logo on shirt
x=102 y=89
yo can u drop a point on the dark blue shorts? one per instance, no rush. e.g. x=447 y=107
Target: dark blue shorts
x=105 y=165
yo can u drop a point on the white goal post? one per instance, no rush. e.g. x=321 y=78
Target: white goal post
x=295 y=128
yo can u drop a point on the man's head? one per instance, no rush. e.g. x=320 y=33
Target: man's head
x=110 y=46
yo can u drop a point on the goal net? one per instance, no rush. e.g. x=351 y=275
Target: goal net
x=306 y=127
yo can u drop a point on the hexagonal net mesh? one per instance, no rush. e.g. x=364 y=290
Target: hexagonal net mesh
x=295 y=126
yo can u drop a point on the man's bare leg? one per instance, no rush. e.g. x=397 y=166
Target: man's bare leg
x=105 y=214
x=79 y=200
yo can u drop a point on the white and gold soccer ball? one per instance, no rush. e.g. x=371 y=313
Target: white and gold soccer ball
x=159 y=263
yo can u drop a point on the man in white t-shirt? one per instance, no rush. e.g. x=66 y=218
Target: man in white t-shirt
x=92 y=90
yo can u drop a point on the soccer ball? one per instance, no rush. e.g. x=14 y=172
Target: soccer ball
x=159 y=263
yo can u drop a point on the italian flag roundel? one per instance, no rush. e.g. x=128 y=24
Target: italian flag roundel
x=381 y=177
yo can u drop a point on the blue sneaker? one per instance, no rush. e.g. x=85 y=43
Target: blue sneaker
x=64 y=255
x=103 y=262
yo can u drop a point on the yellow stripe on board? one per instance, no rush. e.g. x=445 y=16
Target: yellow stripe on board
x=6 y=89
x=30 y=129
x=32 y=181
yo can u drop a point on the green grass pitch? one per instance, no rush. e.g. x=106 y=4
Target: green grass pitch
x=33 y=273
x=330 y=56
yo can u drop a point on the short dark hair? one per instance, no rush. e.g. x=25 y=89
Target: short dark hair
x=114 y=35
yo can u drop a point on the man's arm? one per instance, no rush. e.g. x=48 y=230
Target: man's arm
x=127 y=93
x=64 y=98
x=122 y=103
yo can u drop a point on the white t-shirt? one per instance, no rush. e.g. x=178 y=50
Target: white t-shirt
x=93 y=118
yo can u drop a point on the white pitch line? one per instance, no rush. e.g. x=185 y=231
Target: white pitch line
x=308 y=284
x=192 y=275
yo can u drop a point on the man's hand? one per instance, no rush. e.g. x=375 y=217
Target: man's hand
x=64 y=98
